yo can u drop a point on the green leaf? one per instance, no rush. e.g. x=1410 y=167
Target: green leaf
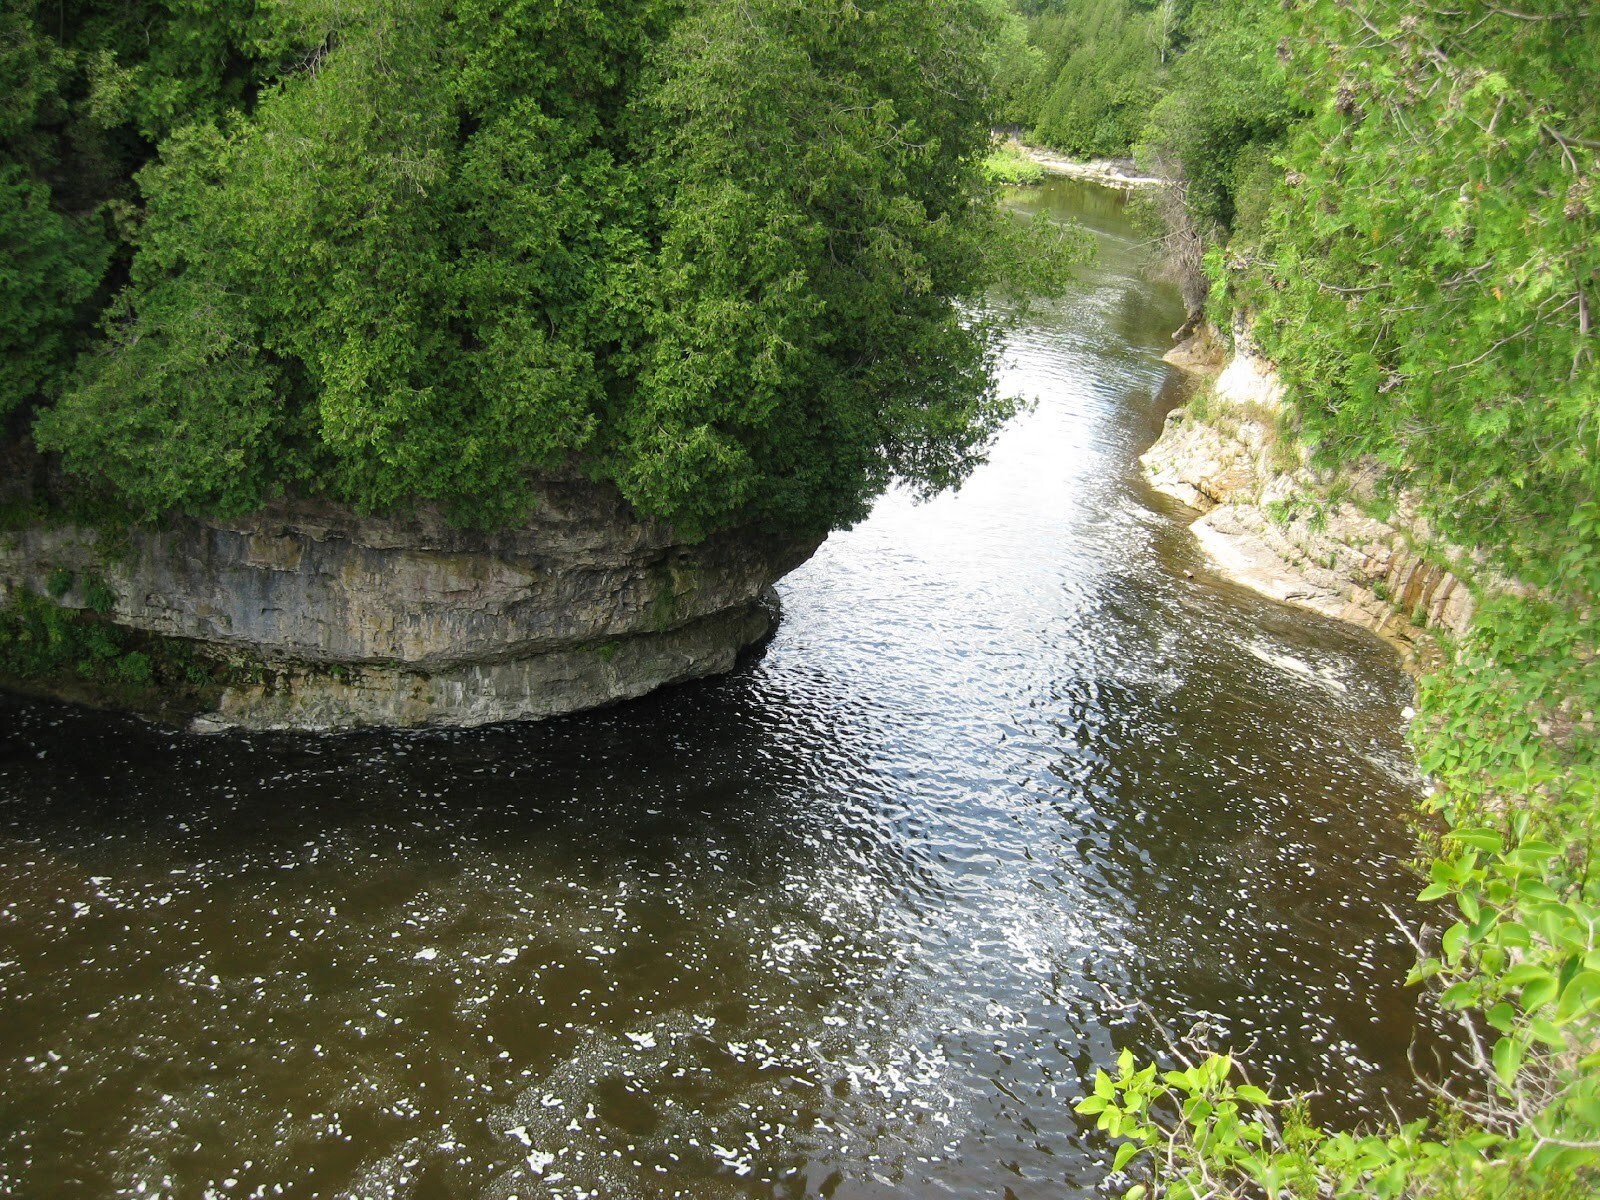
x=1507 y=1056
x=1523 y=973
x=1459 y=995
x=1539 y=992
x=1548 y=1033
x=1580 y=996
x=1479 y=839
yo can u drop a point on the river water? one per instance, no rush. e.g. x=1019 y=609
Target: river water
x=1017 y=777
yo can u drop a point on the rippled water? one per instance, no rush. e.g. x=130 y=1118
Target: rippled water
x=857 y=921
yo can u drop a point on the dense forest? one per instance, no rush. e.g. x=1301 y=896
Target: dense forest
x=398 y=253
x=1404 y=203
x=1082 y=75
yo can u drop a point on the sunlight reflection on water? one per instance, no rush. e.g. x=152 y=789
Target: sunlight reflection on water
x=846 y=923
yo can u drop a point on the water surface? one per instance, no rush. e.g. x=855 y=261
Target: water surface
x=1017 y=778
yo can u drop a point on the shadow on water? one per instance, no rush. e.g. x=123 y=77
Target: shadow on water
x=856 y=921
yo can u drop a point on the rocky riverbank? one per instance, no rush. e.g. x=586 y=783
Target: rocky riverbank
x=1341 y=546
x=1120 y=173
x=329 y=621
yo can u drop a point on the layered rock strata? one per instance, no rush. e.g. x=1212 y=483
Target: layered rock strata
x=1272 y=523
x=347 y=622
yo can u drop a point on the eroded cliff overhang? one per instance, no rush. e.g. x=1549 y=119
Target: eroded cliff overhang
x=353 y=621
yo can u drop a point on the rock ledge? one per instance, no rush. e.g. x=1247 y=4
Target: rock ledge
x=1272 y=523
x=347 y=622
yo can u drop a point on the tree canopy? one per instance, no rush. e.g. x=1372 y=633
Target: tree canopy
x=1087 y=71
x=722 y=253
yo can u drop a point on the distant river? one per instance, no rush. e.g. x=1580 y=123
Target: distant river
x=857 y=921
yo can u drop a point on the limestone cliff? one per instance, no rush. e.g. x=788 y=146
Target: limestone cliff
x=350 y=621
x=1273 y=523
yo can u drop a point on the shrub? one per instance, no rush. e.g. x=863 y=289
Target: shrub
x=1010 y=167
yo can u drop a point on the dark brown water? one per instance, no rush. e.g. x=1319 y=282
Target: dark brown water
x=857 y=921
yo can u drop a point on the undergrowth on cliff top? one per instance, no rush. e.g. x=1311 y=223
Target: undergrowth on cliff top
x=1425 y=271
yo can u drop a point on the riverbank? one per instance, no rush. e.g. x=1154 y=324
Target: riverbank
x=1121 y=173
x=1272 y=523
x=1505 y=730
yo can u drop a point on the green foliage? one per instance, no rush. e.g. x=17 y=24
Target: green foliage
x=718 y=252
x=90 y=87
x=1010 y=167
x=1426 y=281
x=347 y=292
x=1227 y=110
x=53 y=265
x=1015 y=64
x=49 y=259
x=1424 y=272
x=98 y=597
x=45 y=643
x=799 y=347
x=1101 y=73
x=1216 y=1136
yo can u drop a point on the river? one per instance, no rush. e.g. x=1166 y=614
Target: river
x=1017 y=776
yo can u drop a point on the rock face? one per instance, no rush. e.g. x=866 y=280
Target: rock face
x=352 y=621
x=1272 y=523
x=1120 y=173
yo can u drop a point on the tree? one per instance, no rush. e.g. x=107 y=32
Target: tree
x=721 y=253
